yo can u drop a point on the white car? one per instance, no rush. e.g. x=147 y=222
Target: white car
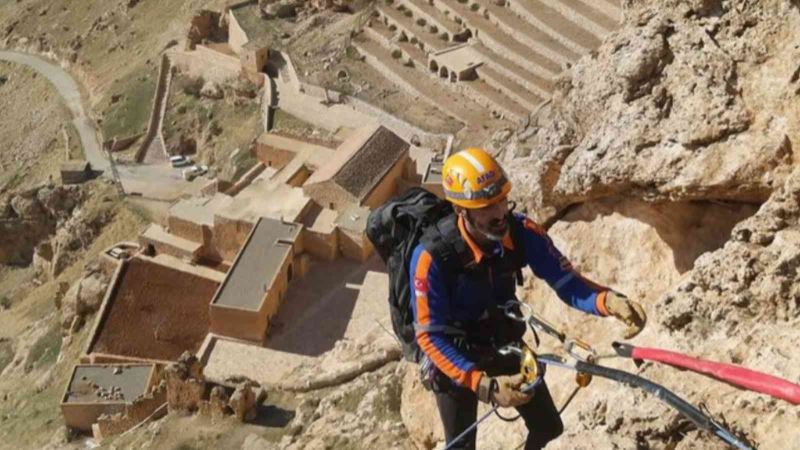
x=191 y=173
x=179 y=161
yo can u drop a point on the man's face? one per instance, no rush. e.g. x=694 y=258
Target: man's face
x=490 y=221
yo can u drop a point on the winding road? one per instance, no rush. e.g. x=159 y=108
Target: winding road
x=156 y=181
x=68 y=89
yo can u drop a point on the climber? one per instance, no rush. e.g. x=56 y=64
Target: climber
x=462 y=270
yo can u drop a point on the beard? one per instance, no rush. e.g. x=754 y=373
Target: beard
x=495 y=230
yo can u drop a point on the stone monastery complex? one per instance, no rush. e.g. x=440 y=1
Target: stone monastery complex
x=208 y=289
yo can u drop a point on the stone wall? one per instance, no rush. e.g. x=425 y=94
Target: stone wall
x=192 y=231
x=119 y=144
x=403 y=129
x=268 y=102
x=324 y=246
x=138 y=411
x=229 y=236
x=273 y=157
x=387 y=187
x=158 y=108
x=246 y=179
x=354 y=245
x=329 y=195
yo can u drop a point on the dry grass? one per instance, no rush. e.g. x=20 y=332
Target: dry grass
x=119 y=47
x=32 y=416
x=34 y=136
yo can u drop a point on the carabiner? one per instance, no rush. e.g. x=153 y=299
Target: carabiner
x=525 y=310
x=571 y=343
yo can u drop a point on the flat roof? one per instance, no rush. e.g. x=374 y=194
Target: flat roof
x=193 y=210
x=354 y=218
x=89 y=380
x=157 y=233
x=458 y=58
x=265 y=197
x=153 y=312
x=310 y=153
x=257 y=264
x=319 y=219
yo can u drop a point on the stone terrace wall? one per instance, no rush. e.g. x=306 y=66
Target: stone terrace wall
x=204 y=62
x=154 y=126
x=404 y=129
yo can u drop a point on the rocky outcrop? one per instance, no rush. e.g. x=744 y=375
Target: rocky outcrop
x=676 y=105
x=666 y=165
x=29 y=217
x=188 y=391
x=82 y=299
x=737 y=304
x=364 y=413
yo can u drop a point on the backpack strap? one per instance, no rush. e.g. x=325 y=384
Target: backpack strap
x=445 y=244
x=517 y=233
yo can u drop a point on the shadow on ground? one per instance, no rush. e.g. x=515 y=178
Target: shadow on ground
x=317 y=308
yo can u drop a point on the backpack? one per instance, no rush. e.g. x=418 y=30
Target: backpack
x=396 y=228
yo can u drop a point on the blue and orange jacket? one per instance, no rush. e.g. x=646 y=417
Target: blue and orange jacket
x=437 y=306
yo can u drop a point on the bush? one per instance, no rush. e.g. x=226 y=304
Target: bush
x=190 y=86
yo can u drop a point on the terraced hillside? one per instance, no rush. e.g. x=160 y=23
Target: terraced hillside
x=506 y=53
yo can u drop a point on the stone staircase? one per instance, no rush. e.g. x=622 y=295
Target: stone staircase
x=523 y=45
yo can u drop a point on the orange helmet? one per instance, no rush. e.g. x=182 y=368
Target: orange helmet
x=473 y=179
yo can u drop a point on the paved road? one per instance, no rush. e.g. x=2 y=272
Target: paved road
x=68 y=89
x=155 y=181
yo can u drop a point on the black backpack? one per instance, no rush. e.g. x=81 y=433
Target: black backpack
x=395 y=229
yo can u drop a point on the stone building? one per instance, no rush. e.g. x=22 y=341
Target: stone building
x=363 y=171
x=75 y=172
x=94 y=390
x=256 y=282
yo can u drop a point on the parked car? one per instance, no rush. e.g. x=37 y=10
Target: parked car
x=179 y=161
x=193 y=172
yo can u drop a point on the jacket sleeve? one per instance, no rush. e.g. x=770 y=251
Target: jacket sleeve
x=549 y=264
x=431 y=306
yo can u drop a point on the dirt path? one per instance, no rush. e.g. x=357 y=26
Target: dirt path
x=68 y=89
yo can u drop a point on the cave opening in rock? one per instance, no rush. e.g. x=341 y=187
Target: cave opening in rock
x=640 y=248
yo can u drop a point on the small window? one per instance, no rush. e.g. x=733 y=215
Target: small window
x=289 y=276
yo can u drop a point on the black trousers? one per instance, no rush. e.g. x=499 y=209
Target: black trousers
x=458 y=409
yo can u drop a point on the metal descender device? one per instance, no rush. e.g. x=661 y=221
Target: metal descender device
x=530 y=367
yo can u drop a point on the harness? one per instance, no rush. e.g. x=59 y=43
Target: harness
x=455 y=259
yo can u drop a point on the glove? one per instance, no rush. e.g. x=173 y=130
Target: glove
x=627 y=311
x=504 y=390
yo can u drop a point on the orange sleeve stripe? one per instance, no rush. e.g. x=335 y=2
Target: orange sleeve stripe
x=601 y=303
x=533 y=226
x=469 y=379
